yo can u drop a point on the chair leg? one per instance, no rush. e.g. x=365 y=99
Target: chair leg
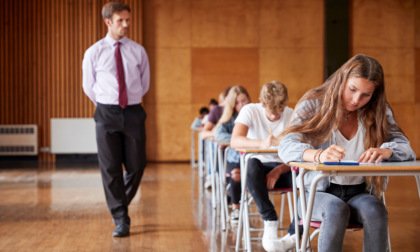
x=289 y=201
x=282 y=208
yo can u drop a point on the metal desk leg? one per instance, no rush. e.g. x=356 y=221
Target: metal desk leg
x=224 y=182
x=387 y=230
x=295 y=204
x=212 y=158
x=243 y=210
x=221 y=186
x=241 y=207
x=243 y=203
x=192 y=149
x=418 y=184
x=200 y=157
x=307 y=218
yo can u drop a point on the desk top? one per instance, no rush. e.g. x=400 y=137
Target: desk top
x=382 y=166
x=221 y=143
x=256 y=150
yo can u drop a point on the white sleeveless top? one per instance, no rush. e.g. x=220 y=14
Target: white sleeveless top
x=354 y=148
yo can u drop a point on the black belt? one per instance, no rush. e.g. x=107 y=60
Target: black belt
x=118 y=106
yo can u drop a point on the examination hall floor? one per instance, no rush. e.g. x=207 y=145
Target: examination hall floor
x=48 y=207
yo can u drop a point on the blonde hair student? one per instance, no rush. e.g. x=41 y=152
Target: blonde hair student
x=236 y=99
x=257 y=126
x=348 y=117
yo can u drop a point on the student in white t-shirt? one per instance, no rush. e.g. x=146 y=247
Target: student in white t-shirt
x=257 y=126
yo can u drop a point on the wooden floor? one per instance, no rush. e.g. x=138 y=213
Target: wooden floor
x=48 y=208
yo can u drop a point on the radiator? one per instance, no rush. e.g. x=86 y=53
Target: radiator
x=18 y=140
x=73 y=136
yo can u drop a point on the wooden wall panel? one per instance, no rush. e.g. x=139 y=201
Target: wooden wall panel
x=381 y=23
x=168 y=132
x=290 y=23
x=214 y=69
x=417 y=50
x=417 y=73
x=170 y=68
x=300 y=69
x=168 y=23
x=415 y=141
x=407 y=117
x=42 y=48
x=225 y=23
x=415 y=138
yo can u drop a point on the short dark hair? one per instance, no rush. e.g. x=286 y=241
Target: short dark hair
x=204 y=110
x=114 y=7
x=213 y=102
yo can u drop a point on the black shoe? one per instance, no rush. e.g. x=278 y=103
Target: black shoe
x=121 y=231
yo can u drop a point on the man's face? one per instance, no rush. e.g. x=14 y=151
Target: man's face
x=118 y=24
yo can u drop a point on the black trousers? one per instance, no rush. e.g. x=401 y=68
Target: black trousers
x=258 y=189
x=121 y=140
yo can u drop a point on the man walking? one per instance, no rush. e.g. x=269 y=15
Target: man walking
x=116 y=77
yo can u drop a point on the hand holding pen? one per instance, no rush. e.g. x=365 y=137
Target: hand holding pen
x=269 y=141
x=334 y=153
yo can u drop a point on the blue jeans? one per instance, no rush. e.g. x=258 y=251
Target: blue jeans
x=335 y=209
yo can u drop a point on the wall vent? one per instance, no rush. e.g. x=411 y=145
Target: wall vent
x=18 y=140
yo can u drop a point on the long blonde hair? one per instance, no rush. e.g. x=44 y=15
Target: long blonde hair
x=317 y=125
x=230 y=102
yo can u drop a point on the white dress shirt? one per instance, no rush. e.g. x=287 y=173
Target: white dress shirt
x=100 y=82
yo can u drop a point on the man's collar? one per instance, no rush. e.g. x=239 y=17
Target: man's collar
x=112 y=41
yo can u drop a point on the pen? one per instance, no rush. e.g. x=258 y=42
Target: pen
x=335 y=142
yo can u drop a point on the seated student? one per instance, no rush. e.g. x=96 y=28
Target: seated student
x=348 y=117
x=257 y=126
x=212 y=104
x=197 y=123
x=236 y=99
x=214 y=116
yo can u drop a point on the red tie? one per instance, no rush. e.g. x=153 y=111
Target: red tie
x=122 y=99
